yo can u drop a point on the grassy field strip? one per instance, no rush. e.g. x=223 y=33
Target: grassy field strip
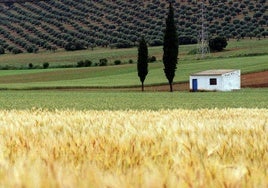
x=90 y=71
x=165 y=148
x=123 y=75
x=63 y=57
x=112 y=100
x=23 y=72
x=71 y=57
x=234 y=48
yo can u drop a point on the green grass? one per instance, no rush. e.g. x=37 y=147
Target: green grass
x=111 y=100
x=234 y=49
x=239 y=55
x=123 y=75
x=67 y=58
x=23 y=72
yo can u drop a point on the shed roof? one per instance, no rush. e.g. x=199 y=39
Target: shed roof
x=216 y=72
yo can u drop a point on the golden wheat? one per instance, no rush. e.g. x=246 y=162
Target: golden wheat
x=168 y=148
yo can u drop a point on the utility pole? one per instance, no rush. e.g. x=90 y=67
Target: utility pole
x=202 y=45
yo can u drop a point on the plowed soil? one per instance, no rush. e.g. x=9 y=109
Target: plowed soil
x=257 y=79
x=250 y=80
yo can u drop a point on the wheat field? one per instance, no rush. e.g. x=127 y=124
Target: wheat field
x=165 y=148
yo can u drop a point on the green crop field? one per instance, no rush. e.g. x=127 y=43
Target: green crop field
x=247 y=55
x=114 y=100
x=234 y=49
x=239 y=55
x=122 y=75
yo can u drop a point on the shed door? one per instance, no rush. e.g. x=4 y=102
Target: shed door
x=194 y=84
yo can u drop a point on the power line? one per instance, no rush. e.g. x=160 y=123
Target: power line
x=202 y=45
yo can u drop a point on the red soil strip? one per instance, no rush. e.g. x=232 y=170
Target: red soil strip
x=257 y=79
x=249 y=80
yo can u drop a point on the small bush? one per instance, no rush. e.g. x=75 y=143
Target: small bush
x=45 y=65
x=30 y=65
x=87 y=63
x=117 y=62
x=80 y=63
x=130 y=61
x=152 y=59
x=103 y=62
x=218 y=43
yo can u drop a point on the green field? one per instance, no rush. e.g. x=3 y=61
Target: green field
x=248 y=55
x=112 y=100
x=122 y=75
x=234 y=49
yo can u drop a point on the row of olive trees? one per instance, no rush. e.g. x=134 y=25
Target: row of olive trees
x=52 y=24
x=170 y=55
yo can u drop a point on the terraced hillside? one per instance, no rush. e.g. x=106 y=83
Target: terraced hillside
x=29 y=26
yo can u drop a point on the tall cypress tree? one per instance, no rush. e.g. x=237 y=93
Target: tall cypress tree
x=142 y=65
x=171 y=47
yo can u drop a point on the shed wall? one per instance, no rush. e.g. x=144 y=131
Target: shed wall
x=225 y=82
x=231 y=81
x=203 y=82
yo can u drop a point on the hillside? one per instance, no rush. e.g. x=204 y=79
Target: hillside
x=77 y=24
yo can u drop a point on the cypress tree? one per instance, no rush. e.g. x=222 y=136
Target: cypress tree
x=142 y=65
x=171 y=47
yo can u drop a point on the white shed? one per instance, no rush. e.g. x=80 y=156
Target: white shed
x=215 y=80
